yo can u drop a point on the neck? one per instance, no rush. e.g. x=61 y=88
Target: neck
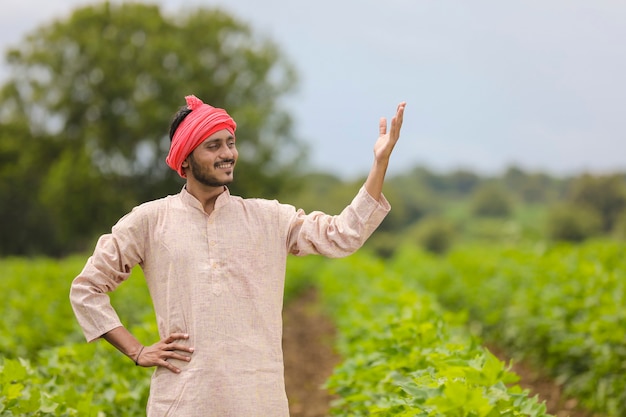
x=206 y=195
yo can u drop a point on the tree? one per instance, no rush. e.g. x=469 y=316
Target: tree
x=23 y=224
x=434 y=233
x=490 y=200
x=573 y=223
x=463 y=181
x=98 y=90
x=605 y=194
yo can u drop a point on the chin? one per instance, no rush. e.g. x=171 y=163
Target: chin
x=229 y=179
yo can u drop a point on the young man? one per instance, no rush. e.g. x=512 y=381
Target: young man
x=215 y=267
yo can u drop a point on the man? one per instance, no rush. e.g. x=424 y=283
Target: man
x=215 y=267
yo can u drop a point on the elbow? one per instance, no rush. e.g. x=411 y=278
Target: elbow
x=344 y=247
x=81 y=291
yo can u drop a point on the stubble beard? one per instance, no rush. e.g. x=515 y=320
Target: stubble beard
x=202 y=176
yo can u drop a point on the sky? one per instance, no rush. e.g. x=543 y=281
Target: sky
x=539 y=84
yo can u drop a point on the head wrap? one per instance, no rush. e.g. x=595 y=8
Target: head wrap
x=199 y=124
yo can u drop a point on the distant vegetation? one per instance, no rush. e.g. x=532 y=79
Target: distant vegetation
x=83 y=137
x=437 y=210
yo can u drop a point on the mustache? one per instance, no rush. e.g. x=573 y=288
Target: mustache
x=227 y=161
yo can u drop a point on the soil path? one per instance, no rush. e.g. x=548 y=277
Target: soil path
x=309 y=360
x=309 y=357
x=547 y=390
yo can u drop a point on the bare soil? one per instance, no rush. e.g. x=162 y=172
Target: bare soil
x=309 y=357
x=546 y=389
x=308 y=337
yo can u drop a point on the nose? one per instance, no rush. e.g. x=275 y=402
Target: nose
x=228 y=152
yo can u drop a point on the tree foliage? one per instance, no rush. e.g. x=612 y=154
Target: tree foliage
x=435 y=234
x=573 y=223
x=490 y=200
x=86 y=112
x=605 y=194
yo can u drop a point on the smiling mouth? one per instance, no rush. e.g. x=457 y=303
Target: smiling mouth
x=225 y=164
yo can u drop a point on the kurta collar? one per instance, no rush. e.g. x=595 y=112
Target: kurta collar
x=190 y=200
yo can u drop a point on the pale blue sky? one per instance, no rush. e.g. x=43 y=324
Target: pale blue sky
x=537 y=83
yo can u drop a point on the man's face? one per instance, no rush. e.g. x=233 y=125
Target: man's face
x=212 y=163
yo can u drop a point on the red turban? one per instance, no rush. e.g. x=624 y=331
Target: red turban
x=199 y=124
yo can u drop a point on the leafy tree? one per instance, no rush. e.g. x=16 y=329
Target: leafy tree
x=490 y=200
x=606 y=195
x=619 y=230
x=23 y=225
x=531 y=187
x=536 y=189
x=463 y=181
x=321 y=191
x=92 y=97
x=435 y=234
x=573 y=223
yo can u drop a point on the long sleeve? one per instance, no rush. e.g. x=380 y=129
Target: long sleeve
x=114 y=257
x=337 y=236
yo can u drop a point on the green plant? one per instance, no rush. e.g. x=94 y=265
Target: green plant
x=573 y=223
x=560 y=307
x=405 y=356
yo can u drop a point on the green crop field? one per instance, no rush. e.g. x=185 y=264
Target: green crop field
x=411 y=332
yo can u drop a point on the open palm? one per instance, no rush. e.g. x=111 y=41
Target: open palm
x=387 y=140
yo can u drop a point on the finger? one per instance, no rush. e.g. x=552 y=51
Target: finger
x=396 y=122
x=382 y=126
x=174 y=355
x=175 y=336
x=166 y=364
x=400 y=111
x=177 y=346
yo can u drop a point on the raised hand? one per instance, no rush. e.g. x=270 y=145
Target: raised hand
x=387 y=140
x=382 y=151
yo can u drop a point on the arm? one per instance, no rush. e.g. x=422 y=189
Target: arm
x=112 y=261
x=154 y=355
x=336 y=236
x=382 y=152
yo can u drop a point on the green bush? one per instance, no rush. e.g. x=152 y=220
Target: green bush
x=73 y=380
x=619 y=230
x=404 y=355
x=37 y=312
x=573 y=223
x=490 y=200
x=561 y=308
x=604 y=194
x=434 y=234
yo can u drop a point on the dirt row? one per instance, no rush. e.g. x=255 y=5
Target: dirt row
x=309 y=360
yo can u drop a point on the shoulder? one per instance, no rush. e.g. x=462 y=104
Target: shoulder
x=263 y=207
x=143 y=212
x=156 y=205
x=153 y=206
x=260 y=202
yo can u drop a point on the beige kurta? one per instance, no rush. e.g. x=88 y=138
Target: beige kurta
x=219 y=278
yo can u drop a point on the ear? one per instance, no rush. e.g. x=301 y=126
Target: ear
x=185 y=163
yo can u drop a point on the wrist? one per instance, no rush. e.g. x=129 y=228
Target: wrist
x=136 y=359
